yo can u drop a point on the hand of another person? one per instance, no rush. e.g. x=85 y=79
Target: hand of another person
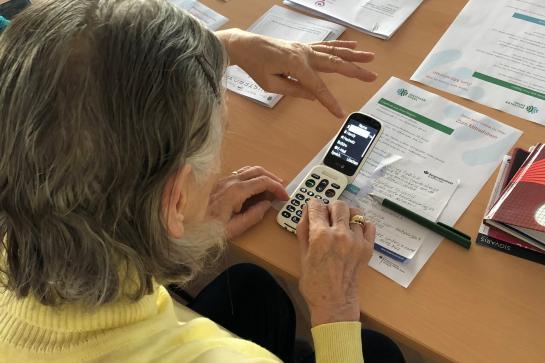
x=291 y=68
x=242 y=199
x=332 y=253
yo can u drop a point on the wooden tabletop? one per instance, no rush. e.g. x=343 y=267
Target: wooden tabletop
x=470 y=306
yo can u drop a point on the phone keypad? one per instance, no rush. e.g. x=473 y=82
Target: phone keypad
x=314 y=187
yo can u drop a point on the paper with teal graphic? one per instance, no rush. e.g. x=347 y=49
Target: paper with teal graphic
x=494 y=54
x=424 y=132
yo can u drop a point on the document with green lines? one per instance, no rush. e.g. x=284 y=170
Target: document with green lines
x=439 y=141
x=494 y=54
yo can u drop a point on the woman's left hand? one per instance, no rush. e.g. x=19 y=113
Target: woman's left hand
x=291 y=68
x=242 y=199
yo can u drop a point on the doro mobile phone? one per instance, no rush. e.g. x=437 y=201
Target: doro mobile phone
x=340 y=166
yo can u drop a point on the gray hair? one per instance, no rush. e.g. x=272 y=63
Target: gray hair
x=101 y=101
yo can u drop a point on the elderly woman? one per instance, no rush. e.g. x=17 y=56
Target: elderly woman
x=111 y=119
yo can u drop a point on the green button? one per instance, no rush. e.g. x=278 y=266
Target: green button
x=310 y=183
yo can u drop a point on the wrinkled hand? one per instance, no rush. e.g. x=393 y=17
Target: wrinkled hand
x=291 y=68
x=240 y=201
x=332 y=254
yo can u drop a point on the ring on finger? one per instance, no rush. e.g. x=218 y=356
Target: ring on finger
x=358 y=219
x=239 y=171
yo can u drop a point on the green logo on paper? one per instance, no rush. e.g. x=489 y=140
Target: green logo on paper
x=532 y=109
x=405 y=93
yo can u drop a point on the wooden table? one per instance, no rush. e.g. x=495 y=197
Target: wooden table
x=471 y=306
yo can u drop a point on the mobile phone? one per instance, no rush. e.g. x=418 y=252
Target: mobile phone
x=343 y=161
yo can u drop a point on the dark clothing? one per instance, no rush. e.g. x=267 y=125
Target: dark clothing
x=246 y=300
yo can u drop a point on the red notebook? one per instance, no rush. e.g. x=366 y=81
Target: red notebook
x=520 y=211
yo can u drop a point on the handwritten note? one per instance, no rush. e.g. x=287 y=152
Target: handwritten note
x=415 y=187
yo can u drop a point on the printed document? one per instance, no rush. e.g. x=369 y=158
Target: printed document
x=283 y=24
x=209 y=17
x=379 y=18
x=449 y=140
x=494 y=54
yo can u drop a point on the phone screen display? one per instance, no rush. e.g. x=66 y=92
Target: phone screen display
x=349 y=148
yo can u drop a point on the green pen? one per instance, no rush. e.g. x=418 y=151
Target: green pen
x=440 y=228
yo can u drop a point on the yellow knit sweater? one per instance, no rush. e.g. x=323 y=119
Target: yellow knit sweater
x=143 y=331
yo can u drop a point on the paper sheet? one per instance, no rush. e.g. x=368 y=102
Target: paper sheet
x=494 y=54
x=209 y=17
x=430 y=130
x=283 y=24
x=412 y=186
x=380 y=18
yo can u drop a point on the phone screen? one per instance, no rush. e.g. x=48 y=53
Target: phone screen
x=349 y=148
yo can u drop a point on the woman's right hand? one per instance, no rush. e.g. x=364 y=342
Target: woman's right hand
x=332 y=254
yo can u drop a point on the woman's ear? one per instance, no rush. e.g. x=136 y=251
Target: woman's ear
x=174 y=200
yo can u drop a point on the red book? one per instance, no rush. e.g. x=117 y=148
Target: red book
x=520 y=211
x=518 y=158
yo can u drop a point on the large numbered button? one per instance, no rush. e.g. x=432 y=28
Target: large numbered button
x=295 y=219
x=299 y=213
x=330 y=193
x=286 y=214
x=290 y=208
x=295 y=202
x=299 y=196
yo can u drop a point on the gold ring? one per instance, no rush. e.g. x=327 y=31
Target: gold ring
x=357 y=219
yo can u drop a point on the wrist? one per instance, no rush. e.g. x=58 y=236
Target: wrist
x=319 y=316
x=232 y=40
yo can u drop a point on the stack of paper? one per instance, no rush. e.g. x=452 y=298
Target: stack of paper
x=209 y=17
x=379 y=18
x=283 y=24
x=412 y=186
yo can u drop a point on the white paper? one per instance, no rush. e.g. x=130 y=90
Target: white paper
x=461 y=141
x=209 y=17
x=283 y=24
x=412 y=186
x=380 y=18
x=494 y=54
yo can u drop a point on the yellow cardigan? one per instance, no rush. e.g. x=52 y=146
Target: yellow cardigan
x=143 y=331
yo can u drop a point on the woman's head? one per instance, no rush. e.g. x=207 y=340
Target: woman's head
x=110 y=116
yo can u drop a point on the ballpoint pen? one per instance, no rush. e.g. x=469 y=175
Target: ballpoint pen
x=440 y=228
